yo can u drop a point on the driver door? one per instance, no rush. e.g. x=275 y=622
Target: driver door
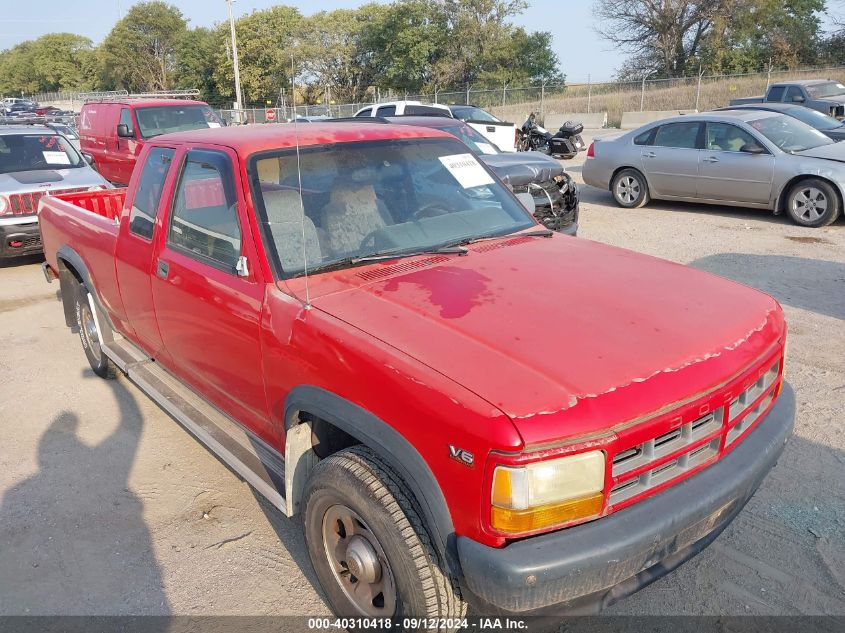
x=727 y=173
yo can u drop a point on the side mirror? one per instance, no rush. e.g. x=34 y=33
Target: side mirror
x=798 y=99
x=88 y=158
x=752 y=148
x=123 y=131
x=527 y=201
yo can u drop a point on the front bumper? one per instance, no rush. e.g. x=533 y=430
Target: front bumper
x=19 y=239
x=590 y=566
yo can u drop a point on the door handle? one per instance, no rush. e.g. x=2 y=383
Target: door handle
x=650 y=155
x=162 y=269
x=711 y=159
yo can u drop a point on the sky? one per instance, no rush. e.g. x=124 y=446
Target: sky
x=580 y=51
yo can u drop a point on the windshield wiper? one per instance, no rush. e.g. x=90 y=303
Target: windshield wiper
x=440 y=250
x=489 y=238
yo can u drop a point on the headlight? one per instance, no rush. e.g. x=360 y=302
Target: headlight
x=4 y=205
x=544 y=494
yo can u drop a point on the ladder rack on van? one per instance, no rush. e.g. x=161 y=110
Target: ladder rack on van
x=123 y=94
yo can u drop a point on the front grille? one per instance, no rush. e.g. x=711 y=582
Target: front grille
x=676 y=453
x=27 y=203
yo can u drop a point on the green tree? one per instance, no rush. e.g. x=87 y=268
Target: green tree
x=140 y=52
x=266 y=41
x=197 y=56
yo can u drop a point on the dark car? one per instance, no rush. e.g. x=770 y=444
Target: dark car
x=827 y=125
x=555 y=193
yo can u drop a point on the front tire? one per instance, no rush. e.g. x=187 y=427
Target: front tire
x=368 y=544
x=89 y=336
x=630 y=189
x=813 y=203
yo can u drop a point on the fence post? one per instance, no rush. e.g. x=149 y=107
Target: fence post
x=642 y=97
x=589 y=93
x=467 y=99
x=698 y=90
x=435 y=93
x=504 y=92
x=769 y=75
x=543 y=98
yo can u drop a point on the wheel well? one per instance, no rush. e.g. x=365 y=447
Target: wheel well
x=68 y=278
x=780 y=207
x=326 y=438
x=616 y=172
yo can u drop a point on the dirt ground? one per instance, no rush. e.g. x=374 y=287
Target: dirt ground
x=108 y=507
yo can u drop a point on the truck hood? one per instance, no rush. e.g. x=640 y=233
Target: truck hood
x=521 y=168
x=834 y=151
x=565 y=336
x=49 y=179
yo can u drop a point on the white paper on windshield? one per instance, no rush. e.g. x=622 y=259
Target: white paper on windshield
x=213 y=124
x=56 y=158
x=467 y=171
x=486 y=148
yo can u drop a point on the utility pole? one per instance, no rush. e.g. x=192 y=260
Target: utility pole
x=238 y=94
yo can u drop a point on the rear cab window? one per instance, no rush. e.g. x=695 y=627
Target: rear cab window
x=386 y=111
x=148 y=192
x=204 y=217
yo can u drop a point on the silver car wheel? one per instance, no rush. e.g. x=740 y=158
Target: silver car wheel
x=809 y=203
x=628 y=189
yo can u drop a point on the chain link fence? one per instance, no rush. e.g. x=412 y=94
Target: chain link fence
x=513 y=103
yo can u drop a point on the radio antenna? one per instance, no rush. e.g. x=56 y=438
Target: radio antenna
x=307 y=304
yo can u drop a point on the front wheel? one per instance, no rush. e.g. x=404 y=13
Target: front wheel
x=368 y=544
x=89 y=335
x=630 y=189
x=812 y=203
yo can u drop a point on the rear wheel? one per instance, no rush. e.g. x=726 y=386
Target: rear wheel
x=813 y=203
x=368 y=545
x=90 y=335
x=630 y=189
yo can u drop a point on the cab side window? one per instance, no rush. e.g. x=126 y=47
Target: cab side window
x=792 y=92
x=148 y=193
x=204 y=220
x=776 y=93
x=126 y=119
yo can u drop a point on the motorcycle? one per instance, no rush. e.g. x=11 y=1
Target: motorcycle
x=566 y=143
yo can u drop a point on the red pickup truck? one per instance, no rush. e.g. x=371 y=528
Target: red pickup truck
x=366 y=325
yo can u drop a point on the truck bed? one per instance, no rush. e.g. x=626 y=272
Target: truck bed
x=85 y=227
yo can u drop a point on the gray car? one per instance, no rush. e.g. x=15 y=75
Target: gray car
x=35 y=160
x=762 y=160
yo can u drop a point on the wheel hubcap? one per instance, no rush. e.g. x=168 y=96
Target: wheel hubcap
x=358 y=562
x=809 y=204
x=89 y=329
x=628 y=189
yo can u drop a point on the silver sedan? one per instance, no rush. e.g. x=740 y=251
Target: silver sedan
x=746 y=158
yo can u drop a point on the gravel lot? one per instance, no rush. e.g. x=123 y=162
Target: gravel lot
x=108 y=507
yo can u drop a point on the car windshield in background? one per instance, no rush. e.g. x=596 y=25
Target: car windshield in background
x=815 y=118
x=158 y=120
x=471 y=113
x=828 y=89
x=790 y=135
x=476 y=142
x=31 y=152
x=380 y=198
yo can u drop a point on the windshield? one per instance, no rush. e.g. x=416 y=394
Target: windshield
x=369 y=198
x=827 y=89
x=471 y=113
x=30 y=152
x=815 y=118
x=158 y=120
x=476 y=142
x=790 y=135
